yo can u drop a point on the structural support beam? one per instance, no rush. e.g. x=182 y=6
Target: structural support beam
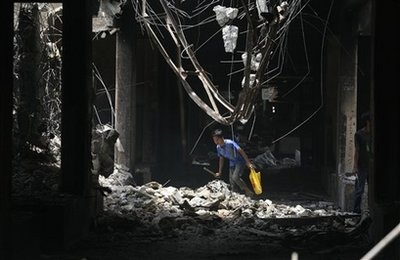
x=125 y=93
x=6 y=79
x=76 y=97
x=347 y=115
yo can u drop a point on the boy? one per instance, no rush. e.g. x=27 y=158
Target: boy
x=229 y=149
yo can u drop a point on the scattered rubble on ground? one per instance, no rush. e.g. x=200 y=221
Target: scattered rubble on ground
x=214 y=210
x=154 y=212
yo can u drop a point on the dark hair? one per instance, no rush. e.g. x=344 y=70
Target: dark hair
x=218 y=133
x=364 y=118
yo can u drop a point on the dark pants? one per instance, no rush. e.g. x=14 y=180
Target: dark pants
x=362 y=177
x=235 y=177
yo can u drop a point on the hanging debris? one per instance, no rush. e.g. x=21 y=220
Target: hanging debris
x=255 y=61
x=225 y=14
x=169 y=19
x=230 y=35
x=282 y=10
x=252 y=80
x=109 y=11
x=103 y=140
x=262 y=8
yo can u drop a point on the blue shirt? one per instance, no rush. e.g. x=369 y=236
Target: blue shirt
x=229 y=150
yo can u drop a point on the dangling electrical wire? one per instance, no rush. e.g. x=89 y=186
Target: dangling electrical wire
x=321 y=79
x=230 y=91
x=252 y=126
x=170 y=19
x=98 y=76
x=97 y=115
x=307 y=61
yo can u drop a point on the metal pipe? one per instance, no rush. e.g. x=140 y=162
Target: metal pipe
x=382 y=244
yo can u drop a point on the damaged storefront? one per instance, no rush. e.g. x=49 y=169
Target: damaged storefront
x=110 y=112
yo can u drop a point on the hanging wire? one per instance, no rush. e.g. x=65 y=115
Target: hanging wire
x=229 y=90
x=321 y=83
x=98 y=76
x=170 y=21
x=307 y=61
x=97 y=115
x=201 y=135
x=252 y=127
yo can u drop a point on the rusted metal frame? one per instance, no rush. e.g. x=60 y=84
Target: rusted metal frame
x=178 y=71
x=266 y=53
x=266 y=50
x=207 y=83
x=249 y=45
x=250 y=98
x=243 y=96
x=178 y=43
x=244 y=106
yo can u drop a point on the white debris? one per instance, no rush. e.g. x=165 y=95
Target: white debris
x=230 y=35
x=251 y=81
x=282 y=8
x=168 y=208
x=299 y=210
x=121 y=177
x=321 y=212
x=270 y=94
x=225 y=14
x=255 y=60
x=247 y=213
x=261 y=7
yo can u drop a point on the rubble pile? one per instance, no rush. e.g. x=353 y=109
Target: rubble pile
x=214 y=209
x=36 y=175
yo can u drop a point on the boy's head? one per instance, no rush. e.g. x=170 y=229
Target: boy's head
x=218 y=136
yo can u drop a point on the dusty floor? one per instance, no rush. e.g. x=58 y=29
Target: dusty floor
x=122 y=237
x=120 y=240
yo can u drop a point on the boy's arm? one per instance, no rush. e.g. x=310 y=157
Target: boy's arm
x=220 y=166
x=246 y=158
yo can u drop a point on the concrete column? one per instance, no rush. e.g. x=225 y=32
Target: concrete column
x=125 y=93
x=6 y=102
x=331 y=81
x=347 y=116
x=76 y=97
x=68 y=222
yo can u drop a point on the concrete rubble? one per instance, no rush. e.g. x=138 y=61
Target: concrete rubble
x=214 y=209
